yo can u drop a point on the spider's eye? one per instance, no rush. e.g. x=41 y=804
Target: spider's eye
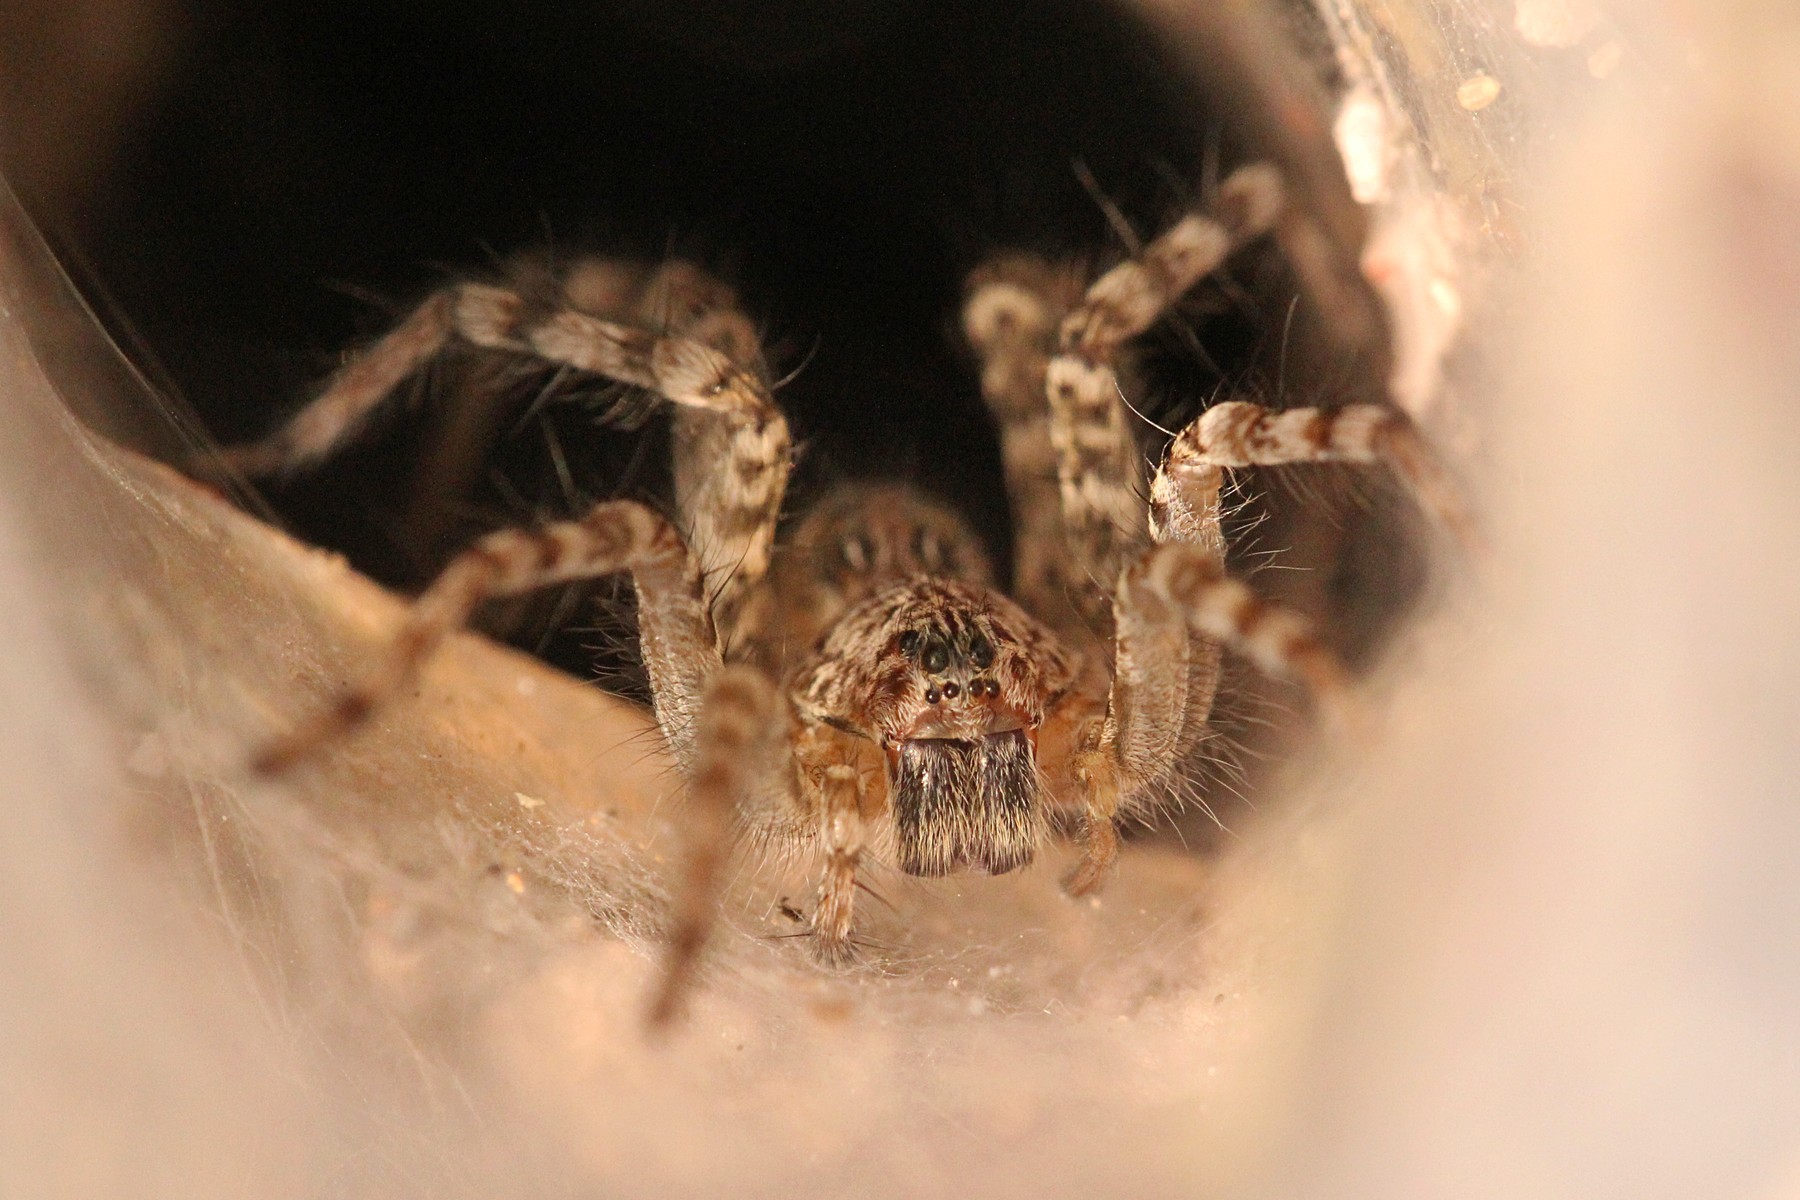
x=909 y=642
x=936 y=658
x=857 y=551
x=928 y=549
x=981 y=652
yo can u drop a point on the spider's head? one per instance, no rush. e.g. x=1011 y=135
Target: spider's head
x=952 y=681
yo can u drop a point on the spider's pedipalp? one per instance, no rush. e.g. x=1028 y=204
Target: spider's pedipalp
x=843 y=834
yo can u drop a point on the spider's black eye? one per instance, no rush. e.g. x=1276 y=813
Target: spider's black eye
x=981 y=652
x=909 y=642
x=936 y=658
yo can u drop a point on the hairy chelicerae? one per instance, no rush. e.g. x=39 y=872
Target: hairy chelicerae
x=864 y=688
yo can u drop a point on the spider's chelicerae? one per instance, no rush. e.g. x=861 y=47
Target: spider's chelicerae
x=865 y=688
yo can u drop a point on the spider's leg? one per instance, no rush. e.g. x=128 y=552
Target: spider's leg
x=841 y=826
x=1240 y=434
x=747 y=771
x=679 y=646
x=333 y=418
x=740 y=755
x=1097 y=460
x=732 y=473
x=731 y=468
x=1169 y=604
x=1011 y=312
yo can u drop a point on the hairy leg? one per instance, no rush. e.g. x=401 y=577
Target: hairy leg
x=1176 y=595
x=675 y=332
x=679 y=644
x=1184 y=580
x=1240 y=434
x=842 y=832
x=1011 y=313
x=740 y=755
x=730 y=466
x=1097 y=461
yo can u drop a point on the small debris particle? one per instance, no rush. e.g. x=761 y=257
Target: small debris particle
x=516 y=882
x=1477 y=92
x=527 y=802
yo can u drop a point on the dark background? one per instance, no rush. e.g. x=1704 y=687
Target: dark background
x=306 y=172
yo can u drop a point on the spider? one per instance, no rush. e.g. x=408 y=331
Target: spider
x=865 y=689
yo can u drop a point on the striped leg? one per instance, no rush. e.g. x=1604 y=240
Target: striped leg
x=1171 y=604
x=1240 y=434
x=337 y=414
x=1183 y=580
x=747 y=768
x=683 y=370
x=670 y=329
x=841 y=827
x=1097 y=461
x=679 y=645
x=731 y=469
x=738 y=757
x=1010 y=315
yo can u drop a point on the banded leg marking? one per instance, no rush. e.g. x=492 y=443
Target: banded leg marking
x=1010 y=317
x=1182 y=588
x=614 y=536
x=740 y=737
x=1097 y=461
x=1241 y=434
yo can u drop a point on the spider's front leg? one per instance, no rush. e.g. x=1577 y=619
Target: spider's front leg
x=679 y=644
x=671 y=329
x=1173 y=591
x=738 y=751
x=725 y=725
x=755 y=766
x=1174 y=610
x=1181 y=582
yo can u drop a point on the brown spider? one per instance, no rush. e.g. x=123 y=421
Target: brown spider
x=880 y=699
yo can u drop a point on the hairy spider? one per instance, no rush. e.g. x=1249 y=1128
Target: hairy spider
x=866 y=690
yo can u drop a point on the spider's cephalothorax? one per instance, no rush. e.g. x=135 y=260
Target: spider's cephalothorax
x=953 y=682
x=861 y=688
